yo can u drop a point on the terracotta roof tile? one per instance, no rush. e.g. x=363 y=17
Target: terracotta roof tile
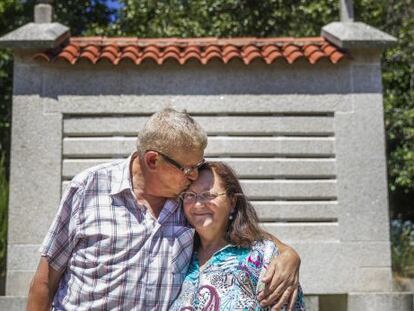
x=250 y=52
x=203 y=50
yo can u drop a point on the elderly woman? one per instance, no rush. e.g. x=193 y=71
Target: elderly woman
x=231 y=252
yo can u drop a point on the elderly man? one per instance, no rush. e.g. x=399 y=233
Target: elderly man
x=120 y=240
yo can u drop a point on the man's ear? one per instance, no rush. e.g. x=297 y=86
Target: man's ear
x=151 y=159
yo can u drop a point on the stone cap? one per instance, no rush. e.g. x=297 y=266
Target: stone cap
x=351 y=35
x=36 y=35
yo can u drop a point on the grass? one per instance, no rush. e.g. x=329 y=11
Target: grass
x=4 y=197
x=402 y=247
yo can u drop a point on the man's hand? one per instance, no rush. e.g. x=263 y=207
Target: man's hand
x=281 y=279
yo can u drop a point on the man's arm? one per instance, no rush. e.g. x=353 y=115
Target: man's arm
x=282 y=278
x=43 y=287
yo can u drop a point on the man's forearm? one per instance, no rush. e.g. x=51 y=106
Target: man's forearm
x=40 y=297
x=285 y=249
x=43 y=287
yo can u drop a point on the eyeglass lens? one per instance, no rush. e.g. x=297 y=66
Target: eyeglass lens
x=191 y=197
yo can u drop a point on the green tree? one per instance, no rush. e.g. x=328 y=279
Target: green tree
x=223 y=18
x=396 y=17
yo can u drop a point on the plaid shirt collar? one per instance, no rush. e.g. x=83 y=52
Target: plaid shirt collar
x=122 y=181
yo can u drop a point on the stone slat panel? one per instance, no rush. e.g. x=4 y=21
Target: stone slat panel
x=296 y=210
x=245 y=168
x=289 y=189
x=303 y=232
x=214 y=125
x=284 y=189
x=198 y=104
x=217 y=146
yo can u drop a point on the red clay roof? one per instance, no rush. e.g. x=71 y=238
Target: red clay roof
x=136 y=50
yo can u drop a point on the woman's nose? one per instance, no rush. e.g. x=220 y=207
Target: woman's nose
x=199 y=202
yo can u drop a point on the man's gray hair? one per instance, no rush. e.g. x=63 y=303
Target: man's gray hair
x=169 y=130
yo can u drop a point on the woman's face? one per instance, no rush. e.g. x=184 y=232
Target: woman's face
x=208 y=217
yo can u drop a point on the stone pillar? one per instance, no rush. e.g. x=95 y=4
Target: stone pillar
x=366 y=189
x=43 y=11
x=33 y=133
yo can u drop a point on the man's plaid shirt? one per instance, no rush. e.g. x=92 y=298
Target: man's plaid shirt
x=114 y=254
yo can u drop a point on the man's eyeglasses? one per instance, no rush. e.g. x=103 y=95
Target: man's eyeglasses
x=187 y=170
x=190 y=197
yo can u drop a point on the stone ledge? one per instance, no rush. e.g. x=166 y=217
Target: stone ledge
x=13 y=303
x=401 y=301
x=359 y=35
x=36 y=36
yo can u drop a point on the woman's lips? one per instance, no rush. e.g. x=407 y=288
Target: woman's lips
x=202 y=213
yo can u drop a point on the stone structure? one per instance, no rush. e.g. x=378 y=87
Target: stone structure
x=306 y=137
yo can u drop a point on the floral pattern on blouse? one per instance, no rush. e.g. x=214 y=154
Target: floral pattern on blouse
x=230 y=280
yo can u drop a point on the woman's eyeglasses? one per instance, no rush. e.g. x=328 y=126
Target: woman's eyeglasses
x=191 y=197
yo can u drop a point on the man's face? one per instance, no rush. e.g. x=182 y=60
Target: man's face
x=178 y=170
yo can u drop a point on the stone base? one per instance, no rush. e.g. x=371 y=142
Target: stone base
x=396 y=301
x=12 y=303
x=312 y=303
x=333 y=302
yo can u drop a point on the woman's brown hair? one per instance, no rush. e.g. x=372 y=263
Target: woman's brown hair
x=243 y=230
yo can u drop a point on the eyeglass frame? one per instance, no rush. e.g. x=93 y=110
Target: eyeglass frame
x=198 y=195
x=185 y=170
x=204 y=201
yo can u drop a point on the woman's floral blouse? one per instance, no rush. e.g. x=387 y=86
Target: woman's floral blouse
x=230 y=280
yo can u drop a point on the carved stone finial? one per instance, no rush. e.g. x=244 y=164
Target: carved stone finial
x=43 y=11
x=346 y=11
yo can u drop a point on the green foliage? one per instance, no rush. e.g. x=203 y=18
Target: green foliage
x=82 y=16
x=397 y=18
x=402 y=247
x=4 y=196
x=9 y=9
x=223 y=18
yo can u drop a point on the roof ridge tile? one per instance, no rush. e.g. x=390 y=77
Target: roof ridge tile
x=204 y=49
